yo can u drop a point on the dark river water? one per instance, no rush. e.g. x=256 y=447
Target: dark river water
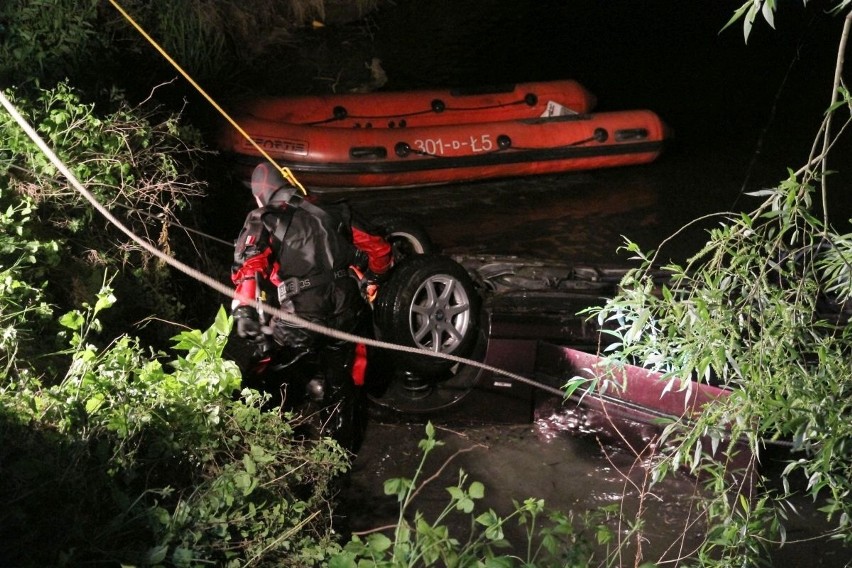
x=741 y=114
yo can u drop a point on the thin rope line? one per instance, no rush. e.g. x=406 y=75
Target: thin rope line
x=411 y=113
x=285 y=171
x=228 y=290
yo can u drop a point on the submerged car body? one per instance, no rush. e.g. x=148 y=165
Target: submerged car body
x=524 y=304
x=532 y=340
x=515 y=333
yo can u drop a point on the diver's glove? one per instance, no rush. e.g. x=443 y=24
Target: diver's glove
x=248 y=323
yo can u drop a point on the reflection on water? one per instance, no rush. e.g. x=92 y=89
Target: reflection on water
x=565 y=218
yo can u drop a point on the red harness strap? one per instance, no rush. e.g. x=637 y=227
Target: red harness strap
x=359 y=366
x=377 y=249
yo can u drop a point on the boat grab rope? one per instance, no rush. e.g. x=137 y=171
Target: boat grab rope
x=336 y=118
x=285 y=171
x=433 y=110
x=600 y=135
x=228 y=290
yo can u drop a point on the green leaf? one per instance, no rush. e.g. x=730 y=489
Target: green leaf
x=398 y=486
x=249 y=465
x=455 y=492
x=223 y=322
x=342 y=561
x=378 y=542
x=768 y=11
x=72 y=320
x=738 y=14
x=488 y=518
x=94 y=403
x=105 y=300
x=156 y=554
x=573 y=384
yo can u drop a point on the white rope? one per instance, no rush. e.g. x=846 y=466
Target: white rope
x=228 y=290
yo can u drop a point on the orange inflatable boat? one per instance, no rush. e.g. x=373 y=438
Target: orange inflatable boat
x=406 y=139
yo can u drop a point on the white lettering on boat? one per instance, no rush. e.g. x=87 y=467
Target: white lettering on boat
x=441 y=146
x=280 y=145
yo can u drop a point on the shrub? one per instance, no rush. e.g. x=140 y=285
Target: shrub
x=553 y=538
x=762 y=308
x=127 y=461
x=24 y=263
x=48 y=39
x=137 y=162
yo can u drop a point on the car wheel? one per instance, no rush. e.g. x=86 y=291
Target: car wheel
x=406 y=236
x=429 y=303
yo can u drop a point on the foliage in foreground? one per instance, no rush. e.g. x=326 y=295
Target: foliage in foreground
x=763 y=308
x=120 y=454
x=553 y=538
x=135 y=162
x=133 y=461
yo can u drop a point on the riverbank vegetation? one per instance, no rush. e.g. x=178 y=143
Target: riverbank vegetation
x=116 y=451
x=128 y=439
x=763 y=309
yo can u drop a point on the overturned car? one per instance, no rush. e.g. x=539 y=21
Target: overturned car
x=515 y=334
x=495 y=310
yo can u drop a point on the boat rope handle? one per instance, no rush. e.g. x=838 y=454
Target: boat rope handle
x=600 y=135
x=285 y=171
x=229 y=290
x=331 y=119
x=412 y=113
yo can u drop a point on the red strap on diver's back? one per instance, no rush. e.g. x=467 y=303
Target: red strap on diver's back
x=359 y=366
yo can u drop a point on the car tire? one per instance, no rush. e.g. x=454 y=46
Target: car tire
x=406 y=236
x=429 y=303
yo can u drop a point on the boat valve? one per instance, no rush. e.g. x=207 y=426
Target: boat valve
x=402 y=149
